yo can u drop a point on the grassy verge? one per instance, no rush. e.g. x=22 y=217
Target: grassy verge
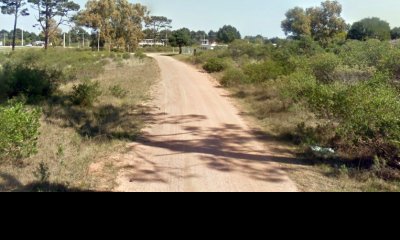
x=263 y=108
x=76 y=141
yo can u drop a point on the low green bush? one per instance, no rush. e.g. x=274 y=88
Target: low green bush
x=324 y=65
x=140 y=55
x=19 y=131
x=31 y=81
x=214 y=65
x=86 y=93
x=233 y=77
x=118 y=91
x=264 y=71
x=126 y=56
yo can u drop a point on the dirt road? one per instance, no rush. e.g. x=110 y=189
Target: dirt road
x=198 y=142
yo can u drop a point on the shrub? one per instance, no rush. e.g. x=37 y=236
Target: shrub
x=261 y=72
x=118 y=91
x=19 y=131
x=86 y=94
x=297 y=86
x=140 y=55
x=364 y=54
x=126 y=56
x=214 y=65
x=353 y=75
x=391 y=63
x=31 y=81
x=365 y=116
x=323 y=66
x=232 y=77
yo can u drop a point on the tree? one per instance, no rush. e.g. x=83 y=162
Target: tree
x=259 y=39
x=326 y=21
x=212 y=36
x=16 y=8
x=119 y=22
x=51 y=10
x=395 y=33
x=370 y=28
x=198 y=37
x=76 y=34
x=180 y=38
x=297 y=23
x=54 y=34
x=228 y=34
x=157 y=23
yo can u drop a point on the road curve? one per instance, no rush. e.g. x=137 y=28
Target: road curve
x=198 y=142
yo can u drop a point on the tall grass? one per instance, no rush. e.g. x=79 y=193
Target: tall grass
x=75 y=138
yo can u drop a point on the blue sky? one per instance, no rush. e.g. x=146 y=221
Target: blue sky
x=251 y=17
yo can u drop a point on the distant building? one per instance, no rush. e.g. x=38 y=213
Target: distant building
x=206 y=45
x=1 y=43
x=38 y=43
x=151 y=43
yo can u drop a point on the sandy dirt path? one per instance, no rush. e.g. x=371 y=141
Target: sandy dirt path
x=198 y=142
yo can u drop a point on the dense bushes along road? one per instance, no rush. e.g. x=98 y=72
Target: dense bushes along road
x=345 y=97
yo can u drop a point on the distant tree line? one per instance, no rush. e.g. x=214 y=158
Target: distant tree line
x=29 y=37
x=326 y=25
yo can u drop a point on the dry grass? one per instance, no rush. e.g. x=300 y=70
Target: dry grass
x=74 y=141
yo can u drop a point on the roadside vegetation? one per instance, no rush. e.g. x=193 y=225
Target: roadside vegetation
x=337 y=100
x=63 y=112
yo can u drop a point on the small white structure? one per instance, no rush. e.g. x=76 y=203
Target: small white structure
x=151 y=43
x=206 y=45
x=39 y=43
x=1 y=43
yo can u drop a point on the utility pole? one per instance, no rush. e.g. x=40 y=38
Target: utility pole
x=64 y=41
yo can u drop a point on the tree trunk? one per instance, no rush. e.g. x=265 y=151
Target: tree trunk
x=15 y=29
x=180 y=49
x=47 y=29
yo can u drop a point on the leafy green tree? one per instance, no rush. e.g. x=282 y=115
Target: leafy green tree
x=370 y=28
x=156 y=24
x=198 y=36
x=119 y=21
x=297 y=23
x=76 y=33
x=395 y=33
x=51 y=10
x=228 y=34
x=16 y=8
x=212 y=36
x=180 y=38
x=326 y=21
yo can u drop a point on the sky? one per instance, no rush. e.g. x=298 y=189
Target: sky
x=251 y=17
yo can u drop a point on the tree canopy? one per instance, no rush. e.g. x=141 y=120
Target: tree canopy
x=180 y=38
x=119 y=21
x=48 y=11
x=228 y=34
x=370 y=28
x=16 y=8
x=395 y=33
x=157 y=23
x=323 y=23
x=297 y=23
